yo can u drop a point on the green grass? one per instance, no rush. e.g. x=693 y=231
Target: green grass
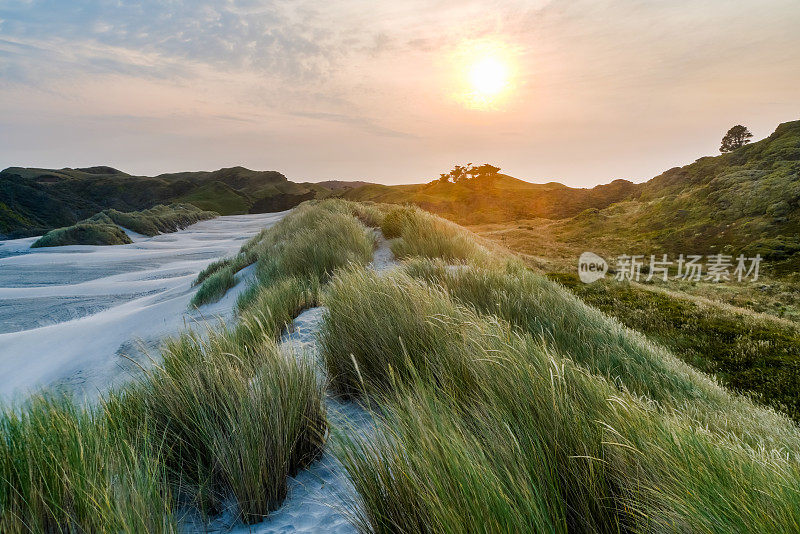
x=214 y=287
x=503 y=403
x=222 y=414
x=104 y=228
x=239 y=418
x=746 y=353
x=310 y=243
x=159 y=219
x=219 y=197
x=83 y=234
x=64 y=468
x=506 y=404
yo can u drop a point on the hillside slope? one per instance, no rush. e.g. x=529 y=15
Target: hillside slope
x=744 y=201
x=34 y=201
x=496 y=198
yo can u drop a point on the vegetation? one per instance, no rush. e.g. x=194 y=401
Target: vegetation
x=470 y=172
x=746 y=353
x=214 y=286
x=34 y=201
x=503 y=402
x=293 y=248
x=506 y=404
x=84 y=233
x=735 y=138
x=105 y=228
x=64 y=468
x=745 y=201
x=223 y=413
x=238 y=418
x=158 y=219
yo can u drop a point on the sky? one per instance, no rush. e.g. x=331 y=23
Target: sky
x=592 y=90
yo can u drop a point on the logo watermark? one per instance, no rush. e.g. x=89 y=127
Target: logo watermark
x=690 y=267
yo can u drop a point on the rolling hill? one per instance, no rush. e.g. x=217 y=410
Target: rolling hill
x=747 y=200
x=34 y=201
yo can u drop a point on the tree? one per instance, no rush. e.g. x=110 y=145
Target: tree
x=462 y=173
x=737 y=137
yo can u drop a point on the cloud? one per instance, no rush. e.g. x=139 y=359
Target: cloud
x=362 y=123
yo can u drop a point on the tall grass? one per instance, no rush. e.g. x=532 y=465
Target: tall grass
x=623 y=356
x=508 y=405
x=65 y=469
x=238 y=419
x=418 y=233
x=485 y=429
x=214 y=287
x=221 y=414
x=311 y=242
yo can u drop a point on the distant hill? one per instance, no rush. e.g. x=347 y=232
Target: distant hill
x=744 y=201
x=496 y=198
x=34 y=201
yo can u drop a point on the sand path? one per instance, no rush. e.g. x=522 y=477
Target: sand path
x=316 y=493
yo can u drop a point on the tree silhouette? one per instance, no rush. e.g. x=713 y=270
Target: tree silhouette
x=737 y=137
x=462 y=173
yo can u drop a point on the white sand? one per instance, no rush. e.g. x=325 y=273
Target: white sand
x=69 y=315
x=103 y=301
x=314 y=503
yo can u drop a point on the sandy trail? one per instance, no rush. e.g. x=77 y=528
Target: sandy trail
x=71 y=316
x=315 y=494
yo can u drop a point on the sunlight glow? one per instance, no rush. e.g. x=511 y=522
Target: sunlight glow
x=489 y=76
x=487 y=70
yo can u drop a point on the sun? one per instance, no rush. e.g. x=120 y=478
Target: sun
x=488 y=77
x=486 y=70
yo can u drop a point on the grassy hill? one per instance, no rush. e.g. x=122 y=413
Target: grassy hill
x=106 y=227
x=34 y=201
x=496 y=401
x=744 y=201
x=496 y=198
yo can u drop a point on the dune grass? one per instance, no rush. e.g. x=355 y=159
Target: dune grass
x=64 y=468
x=223 y=414
x=507 y=405
x=504 y=404
x=104 y=228
x=83 y=233
x=310 y=243
x=214 y=287
x=159 y=219
x=418 y=233
x=239 y=419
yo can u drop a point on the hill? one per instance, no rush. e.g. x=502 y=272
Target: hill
x=744 y=201
x=34 y=201
x=496 y=198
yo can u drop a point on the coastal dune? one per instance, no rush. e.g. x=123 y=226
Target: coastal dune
x=85 y=317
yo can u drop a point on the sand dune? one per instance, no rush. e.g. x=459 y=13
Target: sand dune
x=71 y=316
